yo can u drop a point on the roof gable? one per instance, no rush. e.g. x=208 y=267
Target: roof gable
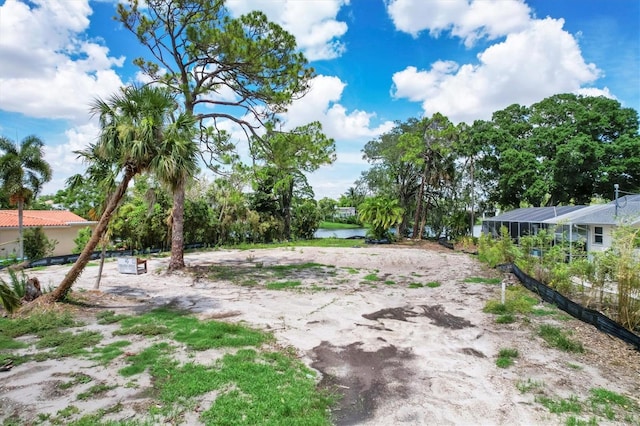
x=9 y=218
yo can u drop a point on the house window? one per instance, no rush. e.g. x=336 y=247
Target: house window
x=597 y=235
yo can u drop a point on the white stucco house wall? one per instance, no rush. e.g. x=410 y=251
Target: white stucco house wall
x=59 y=225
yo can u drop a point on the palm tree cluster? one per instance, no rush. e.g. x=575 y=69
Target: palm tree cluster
x=142 y=130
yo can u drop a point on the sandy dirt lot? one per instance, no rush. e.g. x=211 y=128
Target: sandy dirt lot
x=399 y=351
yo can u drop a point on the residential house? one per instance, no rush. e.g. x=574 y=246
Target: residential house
x=592 y=225
x=59 y=225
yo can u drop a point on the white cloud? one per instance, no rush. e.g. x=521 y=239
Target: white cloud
x=313 y=23
x=321 y=104
x=62 y=159
x=526 y=67
x=469 y=20
x=48 y=69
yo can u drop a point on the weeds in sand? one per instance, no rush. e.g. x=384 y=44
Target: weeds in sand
x=197 y=335
x=433 y=284
x=482 y=280
x=105 y=354
x=109 y=317
x=573 y=421
x=282 y=285
x=560 y=339
x=574 y=366
x=68 y=411
x=390 y=282
x=416 y=285
x=560 y=405
x=529 y=385
x=155 y=355
x=351 y=270
x=371 y=277
x=66 y=343
x=506 y=357
x=505 y=319
x=37 y=322
x=95 y=390
x=77 y=379
x=517 y=301
x=605 y=403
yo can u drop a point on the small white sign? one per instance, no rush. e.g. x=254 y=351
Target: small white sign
x=128 y=265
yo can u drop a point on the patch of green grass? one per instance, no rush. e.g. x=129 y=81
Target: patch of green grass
x=37 y=322
x=560 y=339
x=105 y=354
x=433 y=284
x=371 y=277
x=518 y=300
x=68 y=411
x=543 y=312
x=7 y=342
x=66 y=343
x=76 y=378
x=255 y=388
x=337 y=225
x=482 y=280
x=153 y=356
x=416 y=285
x=573 y=421
x=285 y=270
x=317 y=242
x=390 y=282
x=351 y=270
x=109 y=317
x=505 y=319
x=95 y=390
x=196 y=334
x=281 y=285
x=560 y=405
x=528 y=385
x=506 y=357
x=574 y=366
x=608 y=403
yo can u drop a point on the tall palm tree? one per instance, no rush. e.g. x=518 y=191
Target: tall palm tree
x=137 y=134
x=23 y=171
x=174 y=169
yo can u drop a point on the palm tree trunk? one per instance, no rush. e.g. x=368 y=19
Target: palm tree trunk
x=177 y=228
x=63 y=288
x=20 y=230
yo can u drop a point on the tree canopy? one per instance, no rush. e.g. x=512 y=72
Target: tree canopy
x=564 y=149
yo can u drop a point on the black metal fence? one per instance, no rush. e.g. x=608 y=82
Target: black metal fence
x=71 y=258
x=549 y=295
x=590 y=316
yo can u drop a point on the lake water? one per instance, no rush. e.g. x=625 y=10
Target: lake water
x=361 y=232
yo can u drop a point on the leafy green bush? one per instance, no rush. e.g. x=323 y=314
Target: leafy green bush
x=36 y=244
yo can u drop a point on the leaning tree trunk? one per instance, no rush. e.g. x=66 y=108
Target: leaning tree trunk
x=177 y=228
x=60 y=292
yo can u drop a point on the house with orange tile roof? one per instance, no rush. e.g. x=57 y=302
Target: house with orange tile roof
x=59 y=225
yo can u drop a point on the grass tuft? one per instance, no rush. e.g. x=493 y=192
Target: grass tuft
x=560 y=339
x=506 y=357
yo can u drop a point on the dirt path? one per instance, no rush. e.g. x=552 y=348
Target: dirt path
x=400 y=349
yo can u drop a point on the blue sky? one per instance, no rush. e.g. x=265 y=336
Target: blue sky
x=377 y=61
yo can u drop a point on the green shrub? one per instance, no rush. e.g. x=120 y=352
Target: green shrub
x=36 y=244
